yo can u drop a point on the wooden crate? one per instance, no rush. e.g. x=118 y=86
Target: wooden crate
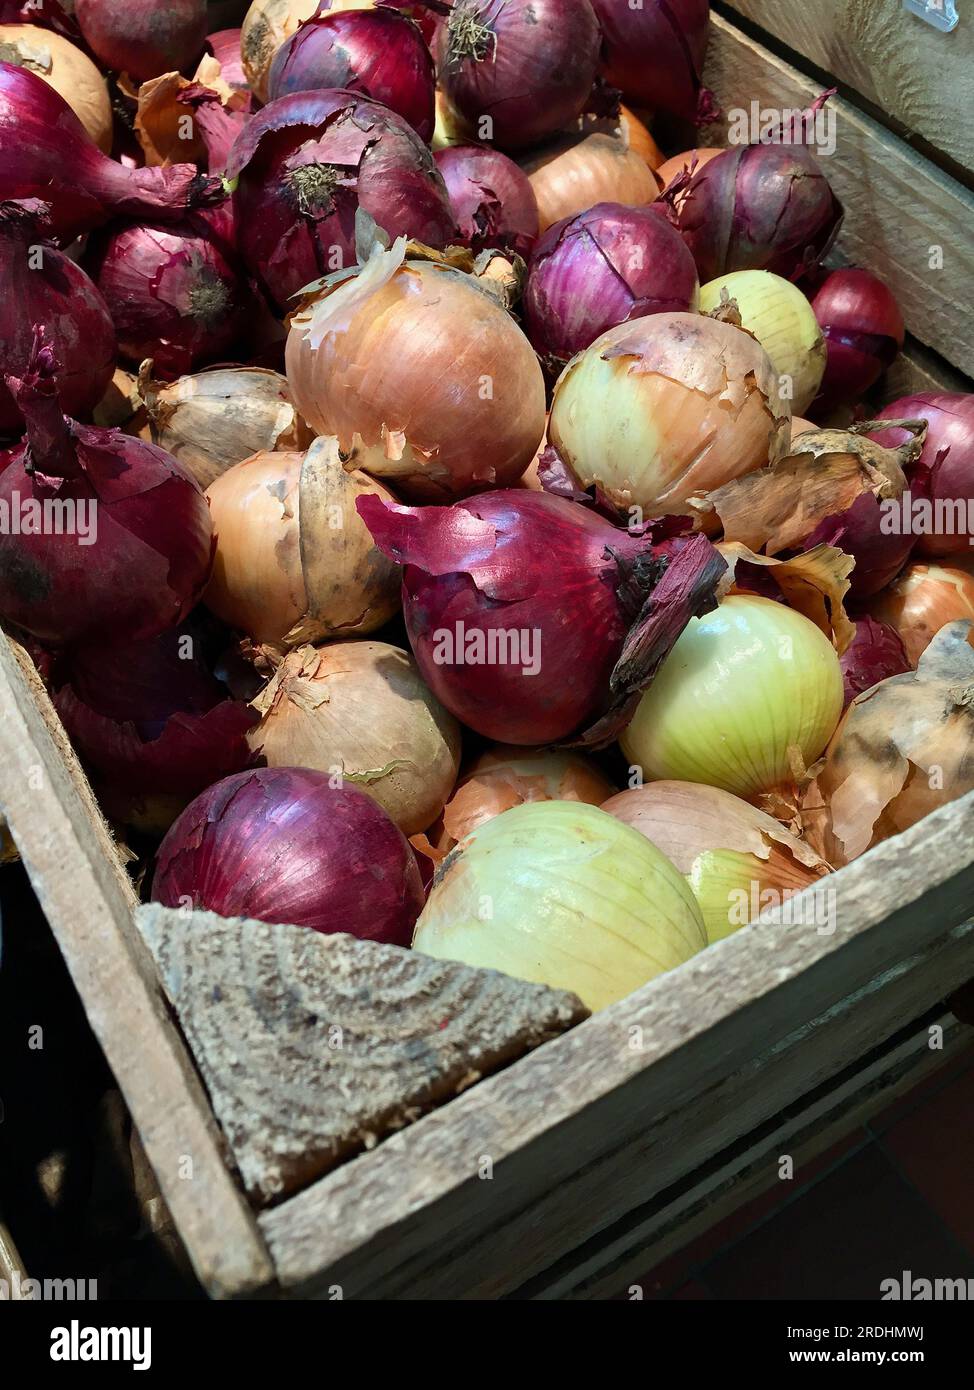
x=568 y=1172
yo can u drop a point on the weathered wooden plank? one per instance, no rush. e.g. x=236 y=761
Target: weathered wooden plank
x=89 y=902
x=920 y=77
x=918 y=369
x=486 y=1166
x=902 y=213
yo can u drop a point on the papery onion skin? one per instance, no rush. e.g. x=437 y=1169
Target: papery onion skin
x=923 y=599
x=680 y=163
x=305 y=163
x=143 y=37
x=517 y=72
x=731 y=853
x=644 y=412
x=592 y=163
x=864 y=330
x=63 y=66
x=361 y=712
x=743 y=689
x=378 y=52
x=225 y=47
x=577 y=901
x=283 y=845
x=950 y=433
x=875 y=653
x=607 y=266
x=492 y=199
x=654 y=52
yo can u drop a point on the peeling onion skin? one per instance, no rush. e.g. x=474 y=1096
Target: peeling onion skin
x=578 y=901
x=143 y=37
x=923 y=599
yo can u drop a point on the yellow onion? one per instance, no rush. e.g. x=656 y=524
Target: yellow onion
x=361 y=712
x=922 y=599
x=680 y=163
x=211 y=420
x=421 y=374
x=70 y=72
x=746 y=701
x=562 y=894
x=784 y=323
x=601 y=161
x=121 y=407
x=294 y=561
x=265 y=27
x=738 y=861
x=668 y=407
x=905 y=747
x=799 y=425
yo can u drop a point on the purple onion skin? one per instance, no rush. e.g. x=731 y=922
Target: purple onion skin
x=759 y=207
x=378 y=53
x=875 y=653
x=601 y=268
x=654 y=54
x=225 y=47
x=879 y=556
x=143 y=37
x=295 y=222
x=283 y=845
x=863 y=330
x=950 y=433
x=492 y=198
x=535 y=71
x=174 y=296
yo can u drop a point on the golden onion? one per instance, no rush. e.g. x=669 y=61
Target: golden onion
x=64 y=67
x=562 y=894
x=601 y=161
x=922 y=599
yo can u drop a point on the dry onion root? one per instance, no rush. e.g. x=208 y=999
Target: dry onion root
x=68 y=70
x=294 y=562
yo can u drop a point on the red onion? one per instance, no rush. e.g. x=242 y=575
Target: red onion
x=39 y=284
x=654 y=51
x=517 y=71
x=530 y=615
x=601 y=268
x=492 y=198
x=143 y=37
x=45 y=152
x=152 y=723
x=379 y=53
x=863 y=329
x=174 y=296
x=225 y=47
x=879 y=554
x=305 y=163
x=873 y=654
x=125 y=544
x=284 y=845
x=946 y=463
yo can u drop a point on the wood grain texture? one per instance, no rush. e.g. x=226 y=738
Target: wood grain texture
x=314 y=1047
x=89 y=902
x=919 y=77
x=566 y=1166
x=897 y=204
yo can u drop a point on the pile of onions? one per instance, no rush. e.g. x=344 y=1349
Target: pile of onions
x=294 y=562
x=285 y=845
x=746 y=701
x=360 y=712
x=143 y=37
x=217 y=418
x=653 y=51
x=421 y=374
x=606 y=266
x=875 y=653
x=667 y=407
x=306 y=163
x=781 y=319
x=517 y=71
x=39 y=284
x=46 y=152
x=379 y=53
x=139 y=551
x=737 y=860
x=923 y=599
x=492 y=199
x=71 y=73
x=945 y=466
x=173 y=293
x=153 y=724
x=904 y=748
x=597 y=161
x=531 y=616
x=265 y=27
x=864 y=330
x=563 y=895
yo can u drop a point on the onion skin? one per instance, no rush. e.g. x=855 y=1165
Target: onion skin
x=70 y=72
x=561 y=894
x=360 y=712
x=950 y=478
x=225 y=47
x=593 y=163
x=875 y=653
x=379 y=53
x=305 y=163
x=492 y=199
x=864 y=331
x=678 y=163
x=654 y=53
x=282 y=845
x=143 y=37
x=923 y=599
x=265 y=27
x=607 y=266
